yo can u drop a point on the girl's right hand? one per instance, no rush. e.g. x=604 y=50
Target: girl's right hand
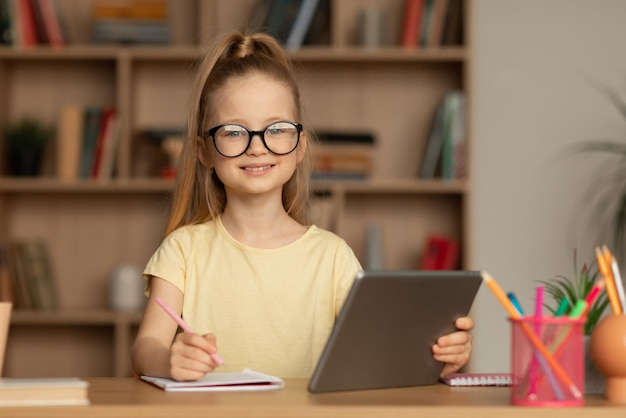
x=190 y=356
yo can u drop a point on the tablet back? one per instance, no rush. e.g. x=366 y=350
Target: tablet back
x=384 y=334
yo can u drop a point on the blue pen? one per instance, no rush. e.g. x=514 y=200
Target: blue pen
x=515 y=302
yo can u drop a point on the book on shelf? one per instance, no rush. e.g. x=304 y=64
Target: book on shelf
x=444 y=153
x=432 y=152
x=246 y=380
x=437 y=18
x=131 y=22
x=43 y=391
x=454 y=136
x=25 y=23
x=87 y=140
x=6 y=23
x=411 y=23
x=69 y=141
x=31 y=280
x=431 y=23
x=50 y=22
x=319 y=31
x=92 y=119
x=302 y=23
x=343 y=155
x=453 y=24
x=440 y=253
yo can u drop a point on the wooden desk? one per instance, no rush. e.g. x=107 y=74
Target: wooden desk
x=129 y=397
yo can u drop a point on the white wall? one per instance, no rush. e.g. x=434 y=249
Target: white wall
x=533 y=61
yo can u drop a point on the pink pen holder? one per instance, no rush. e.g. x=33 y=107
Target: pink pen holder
x=547 y=361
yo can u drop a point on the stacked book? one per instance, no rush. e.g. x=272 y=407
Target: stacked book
x=343 y=156
x=130 y=22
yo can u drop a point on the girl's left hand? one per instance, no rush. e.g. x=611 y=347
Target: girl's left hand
x=454 y=349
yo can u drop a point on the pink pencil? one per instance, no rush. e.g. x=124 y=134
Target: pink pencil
x=183 y=324
x=533 y=368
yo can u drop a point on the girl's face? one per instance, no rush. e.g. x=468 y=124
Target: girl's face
x=254 y=102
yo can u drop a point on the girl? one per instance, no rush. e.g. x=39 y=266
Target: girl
x=240 y=261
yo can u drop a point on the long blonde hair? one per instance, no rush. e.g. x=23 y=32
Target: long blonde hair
x=199 y=194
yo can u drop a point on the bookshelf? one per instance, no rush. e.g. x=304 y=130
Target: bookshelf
x=91 y=227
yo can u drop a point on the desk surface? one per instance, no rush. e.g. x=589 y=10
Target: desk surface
x=130 y=397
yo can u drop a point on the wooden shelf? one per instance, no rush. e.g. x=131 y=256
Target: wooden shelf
x=50 y=185
x=75 y=317
x=91 y=227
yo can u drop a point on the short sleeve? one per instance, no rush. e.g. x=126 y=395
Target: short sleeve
x=169 y=260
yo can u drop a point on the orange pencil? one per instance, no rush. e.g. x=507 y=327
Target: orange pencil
x=534 y=339
x=611 y=290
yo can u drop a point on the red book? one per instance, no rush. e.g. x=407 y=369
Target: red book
x=104 y=136
x=51 y=22
x=431 y=253
x=26 y=16
x=440 y=253
x=411 y=22
x=449 y=254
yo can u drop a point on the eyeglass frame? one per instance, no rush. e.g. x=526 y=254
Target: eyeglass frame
x=211 y=133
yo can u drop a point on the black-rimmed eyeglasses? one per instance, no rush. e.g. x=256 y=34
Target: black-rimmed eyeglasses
x=232 y=140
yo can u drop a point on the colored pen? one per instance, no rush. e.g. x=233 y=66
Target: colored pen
x=563 y=305
x=532 y=394
x=183 y=325
x=619 y=285
x=534 y=339
x=611 y=291
x=515 y=302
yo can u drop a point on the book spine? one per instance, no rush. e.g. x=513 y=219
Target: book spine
x=51 y=23
x=411 y=22
x=301 y=25
x=69 y=142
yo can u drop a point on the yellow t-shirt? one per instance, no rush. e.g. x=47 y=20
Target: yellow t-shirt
x=271 y=310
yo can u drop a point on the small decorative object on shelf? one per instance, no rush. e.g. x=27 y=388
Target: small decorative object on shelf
x=27 y=140
x=126 y=289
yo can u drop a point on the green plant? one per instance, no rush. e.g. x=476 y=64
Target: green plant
x=608 y=192
x=575 y=288
x=27 y=140
x=28 y=134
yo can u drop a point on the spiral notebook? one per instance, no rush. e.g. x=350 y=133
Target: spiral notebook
x=478 y=379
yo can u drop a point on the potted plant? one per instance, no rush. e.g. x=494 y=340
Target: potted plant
x=573 y=288
x=26 y=143
x=608 y=193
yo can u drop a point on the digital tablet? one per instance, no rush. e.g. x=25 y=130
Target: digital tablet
x=389 y=322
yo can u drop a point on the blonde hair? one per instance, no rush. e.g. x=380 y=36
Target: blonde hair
x=199 y=194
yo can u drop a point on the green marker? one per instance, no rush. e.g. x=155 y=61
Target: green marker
x=562 y=307
x=578 y=309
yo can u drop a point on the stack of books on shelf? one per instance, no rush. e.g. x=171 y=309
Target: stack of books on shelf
x=26 y=23
x=131 y=21
x=87 y=140
x=432 y=23
x=294 y=23
x=445 y=152
x=440 y=252
x=343 y=156
x=26 y=275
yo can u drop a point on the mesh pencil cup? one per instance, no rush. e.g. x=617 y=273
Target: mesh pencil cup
x=547 y=361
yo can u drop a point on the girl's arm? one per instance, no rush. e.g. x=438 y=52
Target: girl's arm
x=159 y=351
